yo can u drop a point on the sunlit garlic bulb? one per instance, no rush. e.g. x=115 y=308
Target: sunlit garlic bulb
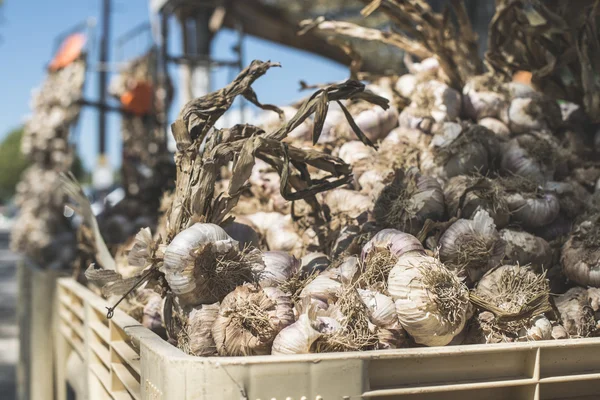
x=202 y=264
x=381 y=308
x=297 y=338
x=580 y=257
x=431 y=302
x=278 y=231
x=347 y=205
x=346 y=272
x=523 y=248
x=533 y=210
x=409 y=201
x=496 y=126
x=540 y=328
x=249 y=319
x=472 y=246
x=465 y=195
x=376 y=122
x=279 y=267
x=322 y=288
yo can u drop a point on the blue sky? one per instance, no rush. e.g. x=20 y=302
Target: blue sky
x=27 y=31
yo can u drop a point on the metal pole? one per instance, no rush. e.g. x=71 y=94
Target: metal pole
x=103 y=75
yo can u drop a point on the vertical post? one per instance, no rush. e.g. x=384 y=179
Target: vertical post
x=239 y=48
x=103 y=75
x=102 y=177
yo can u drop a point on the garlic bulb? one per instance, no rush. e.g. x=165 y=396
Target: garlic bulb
x=533 y=113
x=376 y=122
x=196 y=338
x=496 y=126
x=530 y=206
x=346 y=273
x=354 y=151
x=465 y=195
x=279 y=267
x=460 y=150
x=532 y=156
x=484 y=96
x=431 y=302
x=278 y=231
x=392 y=337
x=202 y=264
x=575 y=312
x=297 y=338
x=572 y=196
x=381 y=308
x=396 y=242
x=406 y=84
x=432 y=102
x=513 y=294
x=524 y=248
x=322 y=288
x=347 y=204
x=540 y=328
x=409 y=201
x=580 y=256
x=249 y=319
x=472 y=246
x=559 y=332
x=152 y=314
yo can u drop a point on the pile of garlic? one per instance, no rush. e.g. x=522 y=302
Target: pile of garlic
x=474 y=221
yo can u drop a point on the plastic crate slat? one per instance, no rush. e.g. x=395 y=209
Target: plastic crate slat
x=77 y=328
x=448 y=387
x=77 y=346
x=102 y=374
x=102 y=331
x=572 y=378
x=102 y=353
x=75 y=309
x=128 y=380
x=128 y=354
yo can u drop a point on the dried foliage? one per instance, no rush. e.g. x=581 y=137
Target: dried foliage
x=554 y=40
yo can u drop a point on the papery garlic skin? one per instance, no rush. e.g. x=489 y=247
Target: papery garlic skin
x=418 y=311
x=346 y=273
x=344 y=203
x=496 y=126
x=278 y=231
x=533 y=212
x=432 y=102
x=249 y=319
x=179 y=261
x=397 y=242
x=580 y=260
x=478 y=236
x=534 y=113
x=322 y=288
x=382 y=309
x=575 y=312
x=483 y=97
x=279 y=267
x=296 y=338
x=524 y=248
x=540 y=329
x=198 y=335
x=376 y=122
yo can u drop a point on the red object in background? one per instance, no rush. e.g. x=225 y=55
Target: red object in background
x=138 y=99
x=70 y=49
x=522 y=77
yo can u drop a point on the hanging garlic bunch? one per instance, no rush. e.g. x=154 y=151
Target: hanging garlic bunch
x=432 y=103
x=485 y=96
x=465 y=195
x=409 y=201
x=472 y=247
x=515 y=296
x=523 y=248
x=279 y=268
x=532 y=112
x=202 y=264
x=460 y=149
x=530 y=206
x=249 y=319
x=580 y=256
x=431 y=302
x=576 y=313
x=196 y=336
x=534 y=156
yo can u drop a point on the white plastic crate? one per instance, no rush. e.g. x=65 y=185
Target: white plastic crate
x=120 y=359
